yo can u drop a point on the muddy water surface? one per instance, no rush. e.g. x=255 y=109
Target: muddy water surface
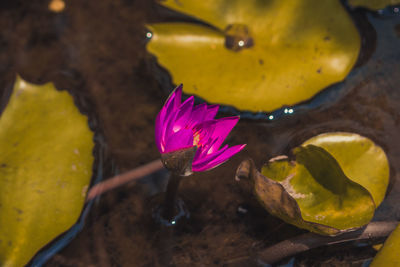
x=96 y=49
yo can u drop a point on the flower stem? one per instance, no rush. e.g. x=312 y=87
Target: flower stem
x=170 y=196
x=124 y=178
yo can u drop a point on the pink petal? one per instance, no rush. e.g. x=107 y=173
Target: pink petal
x=198 y=115
x=177 y=124
x=202 y=113
x=212 y=111
x=179 y=140
x=201 y=152
x=204 y=158
x=185 y=112
x=174 y=99
x=165 y=132
x=222 y=128
x=205 y=131
x=228 y=153
x=173 y=102
x=179 y=118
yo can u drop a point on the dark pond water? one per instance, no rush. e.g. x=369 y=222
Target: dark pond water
x=96 y=49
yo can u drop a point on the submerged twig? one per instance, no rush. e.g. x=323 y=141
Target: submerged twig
x=124 y=178
x=308 y=241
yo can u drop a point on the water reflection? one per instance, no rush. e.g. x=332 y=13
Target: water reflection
x=288 y=111
x=389 y=11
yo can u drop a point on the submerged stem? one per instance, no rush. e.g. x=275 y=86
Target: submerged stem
x=170 y=196
x=308 y=241
x=124 y=178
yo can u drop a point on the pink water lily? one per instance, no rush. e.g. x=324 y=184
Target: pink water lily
x=182 y=125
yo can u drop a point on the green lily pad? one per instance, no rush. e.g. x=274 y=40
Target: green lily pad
x=388 y=255
x=327 y=188
x=290 y=50
x=45 y=169
x=361 y=160
x=373 y=4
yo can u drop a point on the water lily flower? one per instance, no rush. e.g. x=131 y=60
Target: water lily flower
x=182 y=126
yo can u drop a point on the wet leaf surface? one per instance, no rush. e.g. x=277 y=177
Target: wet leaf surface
x=46 y=167
x=388 y=255
x=360 y=159
x=314 y=192
x=261 y=55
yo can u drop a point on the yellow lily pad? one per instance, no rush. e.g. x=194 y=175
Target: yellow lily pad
x=388 y=255
x=326 y=189
x=45 y=169
x=373 y=4
x=361 y=160
x=280 y=53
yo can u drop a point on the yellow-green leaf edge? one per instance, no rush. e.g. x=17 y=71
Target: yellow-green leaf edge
x=388 y=255
x=45 y=169
x=292 y=59
x=360 y=158
x=312 y=182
